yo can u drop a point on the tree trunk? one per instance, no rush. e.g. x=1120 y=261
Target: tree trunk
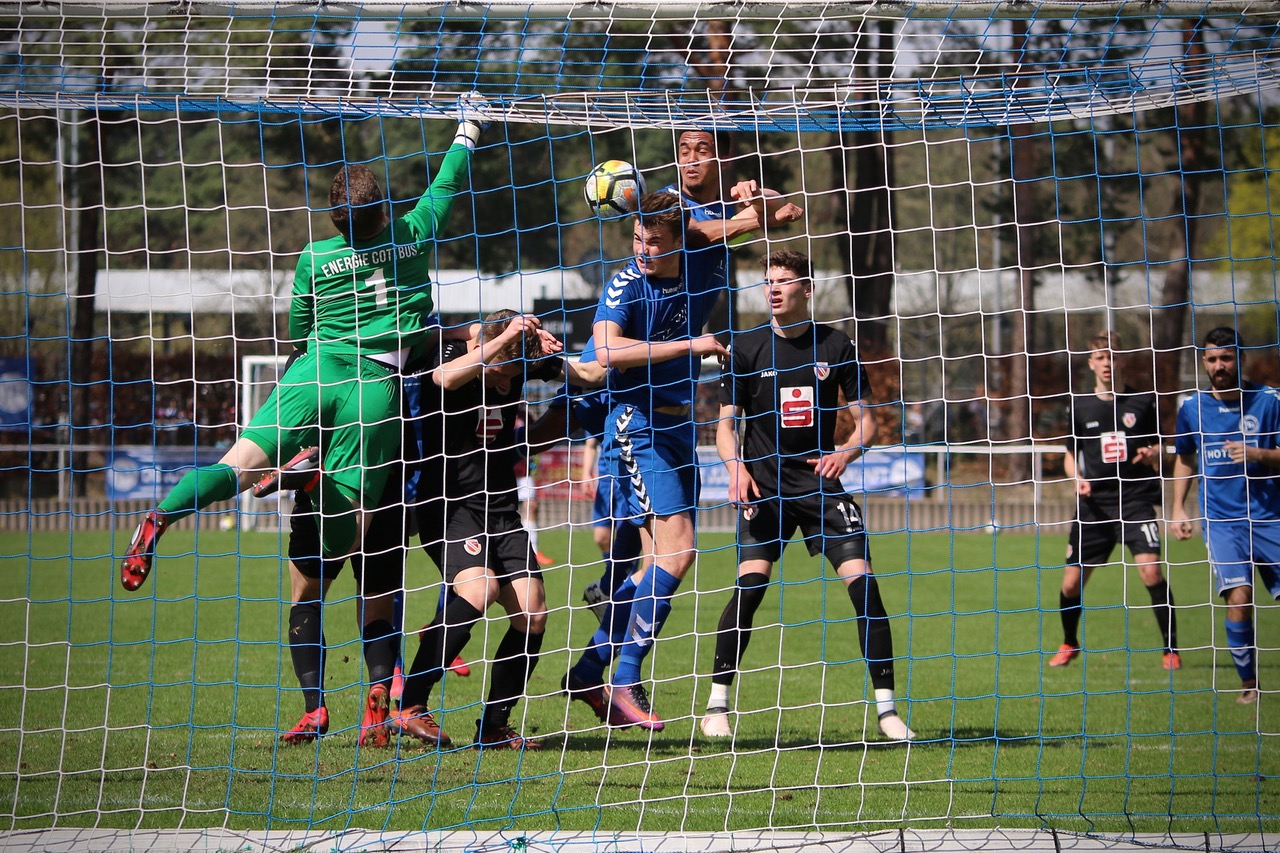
x=88 y=178
x=871 y=224
x=1014 y=413
x=1168 y=332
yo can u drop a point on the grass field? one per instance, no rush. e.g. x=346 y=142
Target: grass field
x=160 y=709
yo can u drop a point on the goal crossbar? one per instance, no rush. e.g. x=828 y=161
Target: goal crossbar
x=697 y=10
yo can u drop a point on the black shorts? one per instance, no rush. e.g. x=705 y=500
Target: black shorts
x=1098 y=528
x=475 y=534
x=379 y=570
x=831 y=523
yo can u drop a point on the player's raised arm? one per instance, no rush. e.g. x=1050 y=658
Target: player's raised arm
x=432 y=210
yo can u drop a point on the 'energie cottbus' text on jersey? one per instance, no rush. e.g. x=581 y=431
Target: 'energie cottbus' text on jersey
x=788 y=390
x=374 y=297
x=1233 y=491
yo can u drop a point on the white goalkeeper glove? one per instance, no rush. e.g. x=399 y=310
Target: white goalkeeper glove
x=474 y=115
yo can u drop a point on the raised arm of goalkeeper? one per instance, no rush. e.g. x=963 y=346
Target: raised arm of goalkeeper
x=431 y=213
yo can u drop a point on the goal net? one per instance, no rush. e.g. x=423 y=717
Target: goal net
x=985 y=186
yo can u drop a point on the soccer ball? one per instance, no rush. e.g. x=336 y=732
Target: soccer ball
x=227 y=522
x=614 y=189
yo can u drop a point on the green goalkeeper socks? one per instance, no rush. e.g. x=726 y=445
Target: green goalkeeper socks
x=199 y=488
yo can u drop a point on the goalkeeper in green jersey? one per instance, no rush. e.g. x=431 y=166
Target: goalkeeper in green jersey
x=360 y=305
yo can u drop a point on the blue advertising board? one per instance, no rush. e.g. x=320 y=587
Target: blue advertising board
x=15 y=393
x=884 y=471
x=148 y=473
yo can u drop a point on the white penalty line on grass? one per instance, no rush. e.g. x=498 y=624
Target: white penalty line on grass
x=363 y=841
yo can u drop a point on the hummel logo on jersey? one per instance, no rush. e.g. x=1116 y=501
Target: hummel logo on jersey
x=616 y=287
x=1091 y=425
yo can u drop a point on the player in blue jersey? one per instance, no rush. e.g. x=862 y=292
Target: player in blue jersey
x=1233 y=429
x=699 y=188
x=648 y=332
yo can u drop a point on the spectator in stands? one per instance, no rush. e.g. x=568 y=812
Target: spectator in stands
x=1233 y=430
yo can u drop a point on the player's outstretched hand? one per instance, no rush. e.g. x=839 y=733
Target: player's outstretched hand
x=705 y=345
x=550 y=343
x=520 y=324
x=474 y=115
x=475 y=108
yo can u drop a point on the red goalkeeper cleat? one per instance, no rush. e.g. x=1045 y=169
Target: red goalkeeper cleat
x=311 y=726
x=373 y=726
x=417 y=723
x=301 y=473
x=460 y=667
x=1171 y=661
x=136 y=564
x=1066 y=654
x=397 y=684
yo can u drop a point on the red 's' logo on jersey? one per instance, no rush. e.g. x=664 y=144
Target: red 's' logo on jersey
x=796 y=406
x=488 y=426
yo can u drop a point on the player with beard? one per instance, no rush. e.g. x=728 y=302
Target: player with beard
x=1229 y=436
x=778 y=409
x=1113 y=456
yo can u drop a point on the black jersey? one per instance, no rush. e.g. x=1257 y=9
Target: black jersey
x=788 y=390
x=469 y=433
x=1105 y=434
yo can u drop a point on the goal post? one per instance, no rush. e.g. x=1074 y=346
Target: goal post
x=987 y=185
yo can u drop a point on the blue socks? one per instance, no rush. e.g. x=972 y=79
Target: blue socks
x=608 y=637
x=1240 y=642
x=649 y=610
x=624 y=551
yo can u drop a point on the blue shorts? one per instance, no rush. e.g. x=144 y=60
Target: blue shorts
x=1236 y=547
x=654 y=463
x=610 y=507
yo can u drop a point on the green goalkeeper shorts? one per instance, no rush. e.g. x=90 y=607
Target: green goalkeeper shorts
x=346 y=405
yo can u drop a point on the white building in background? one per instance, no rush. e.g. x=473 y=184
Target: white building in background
x=261 y=291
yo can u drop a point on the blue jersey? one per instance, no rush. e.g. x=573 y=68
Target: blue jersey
x=588 y=406
x=697 y=210
x=666 y=309
x=1233 y=491
x=662 y=309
